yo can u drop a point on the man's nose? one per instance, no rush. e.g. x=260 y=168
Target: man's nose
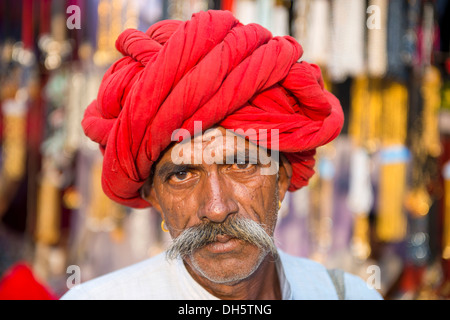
x=217 y=202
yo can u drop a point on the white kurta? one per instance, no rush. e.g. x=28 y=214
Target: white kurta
x=161 y=279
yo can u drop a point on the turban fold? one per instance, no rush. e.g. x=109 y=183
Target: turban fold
x=212 y=69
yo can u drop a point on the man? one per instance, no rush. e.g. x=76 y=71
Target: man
x=211 y=122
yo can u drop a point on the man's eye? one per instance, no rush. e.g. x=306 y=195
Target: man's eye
x=180 y=176
x=242 y=166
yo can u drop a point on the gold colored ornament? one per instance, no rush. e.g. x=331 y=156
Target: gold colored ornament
x=431 y=91
x=71 y=199
x=360 y=244
x=103 y=214
x=118 y=234
x=109 y=28
x=418 y=202
x=14 y=135
x=14 y=146
x=163 y=227
x=48 y=209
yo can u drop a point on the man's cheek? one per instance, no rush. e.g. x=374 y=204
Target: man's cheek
x=180 y=217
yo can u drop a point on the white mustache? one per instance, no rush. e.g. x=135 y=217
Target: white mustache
x=200 y=235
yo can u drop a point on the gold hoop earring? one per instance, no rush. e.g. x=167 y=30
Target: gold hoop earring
x=163 y=228
x=279 y=205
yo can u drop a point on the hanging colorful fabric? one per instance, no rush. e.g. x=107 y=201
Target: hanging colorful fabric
x=183 y=10
x=49 y=206
x=322 y=204
x=431 y=91
x=365 y=115
x=409 y=40
x=446 y=218
x=109 y=27
x=391 y=225
x=103 y=214
x=396 y=26
x=426 y=143
x=445 y=95
x=360 y=202
x=18 y=90
x=347 y=39
x=312 y=29
x=377 y=39
x=391 y=219
x=132 y=15
x=364 y=130
x=14 y=138
x=13 y=149
x=246 y=11
x=264 y=13
x=280 y=19
x=228 y=5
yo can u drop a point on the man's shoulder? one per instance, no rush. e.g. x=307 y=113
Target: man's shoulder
x=301 y=262
x=126 y=283
x=299 y=266
x=312 y=280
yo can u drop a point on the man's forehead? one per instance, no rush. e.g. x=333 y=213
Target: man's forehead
x=214 y=139
x=220 y=137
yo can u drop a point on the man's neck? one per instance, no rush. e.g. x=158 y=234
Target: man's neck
x=263 y=284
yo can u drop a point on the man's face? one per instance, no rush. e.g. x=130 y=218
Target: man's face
x=189 y=195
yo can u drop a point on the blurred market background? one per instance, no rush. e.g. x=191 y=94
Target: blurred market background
x=380 y=201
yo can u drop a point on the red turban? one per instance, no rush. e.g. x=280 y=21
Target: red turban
x=20 y=283
x=213 y=69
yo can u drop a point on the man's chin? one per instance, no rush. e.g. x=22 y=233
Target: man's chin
x=227 y=268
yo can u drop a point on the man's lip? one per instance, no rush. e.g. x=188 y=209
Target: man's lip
x=223 y=244
x=223 y=238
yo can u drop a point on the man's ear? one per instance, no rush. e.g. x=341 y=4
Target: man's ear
x=148 y=193
x=284 y=176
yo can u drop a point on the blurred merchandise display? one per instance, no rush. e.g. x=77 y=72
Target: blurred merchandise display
x=381 y=194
